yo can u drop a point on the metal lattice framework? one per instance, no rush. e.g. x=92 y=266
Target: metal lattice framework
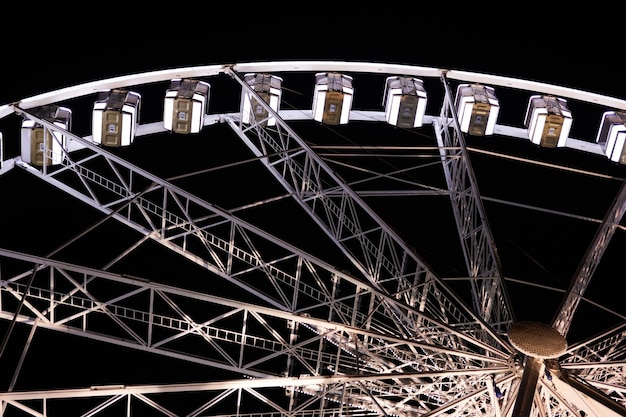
x=288 y=330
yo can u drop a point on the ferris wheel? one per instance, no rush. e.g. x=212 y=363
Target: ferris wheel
x=313 y=238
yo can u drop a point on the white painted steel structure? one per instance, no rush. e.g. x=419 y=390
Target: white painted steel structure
x=287 y=331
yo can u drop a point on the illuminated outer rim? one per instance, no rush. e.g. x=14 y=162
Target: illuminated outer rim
x=537 y=339
x=298 y=66
x=611 y=103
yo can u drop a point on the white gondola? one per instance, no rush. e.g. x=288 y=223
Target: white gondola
x=332 y=98
x=477 y=109
x=404 y=101
x=43 y=146
x=548 y=120
x=612 y=135
x=116 y=117
x=268 y=88
x=185 y=105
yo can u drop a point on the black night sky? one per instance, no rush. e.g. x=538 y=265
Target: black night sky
x=78 y=50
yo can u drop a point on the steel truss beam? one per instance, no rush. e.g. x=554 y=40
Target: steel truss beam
x=489 y=292
x=590 y=262
x=159 y=321
x=225 y=246
x=373 y=247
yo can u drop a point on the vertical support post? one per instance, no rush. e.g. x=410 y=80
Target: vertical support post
x=528 y=387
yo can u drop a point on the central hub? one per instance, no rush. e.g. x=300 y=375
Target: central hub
x=537 y=340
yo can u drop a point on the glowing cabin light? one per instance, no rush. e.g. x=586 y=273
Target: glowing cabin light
x=40 y=145
x=477 y=108
x=332 y=98
x=115 y=117
x=612 y=136
x=185 y=105
x=268 y=88
x=404 y=101
x=548 y=121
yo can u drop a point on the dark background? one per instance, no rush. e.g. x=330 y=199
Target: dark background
x=47 y=49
